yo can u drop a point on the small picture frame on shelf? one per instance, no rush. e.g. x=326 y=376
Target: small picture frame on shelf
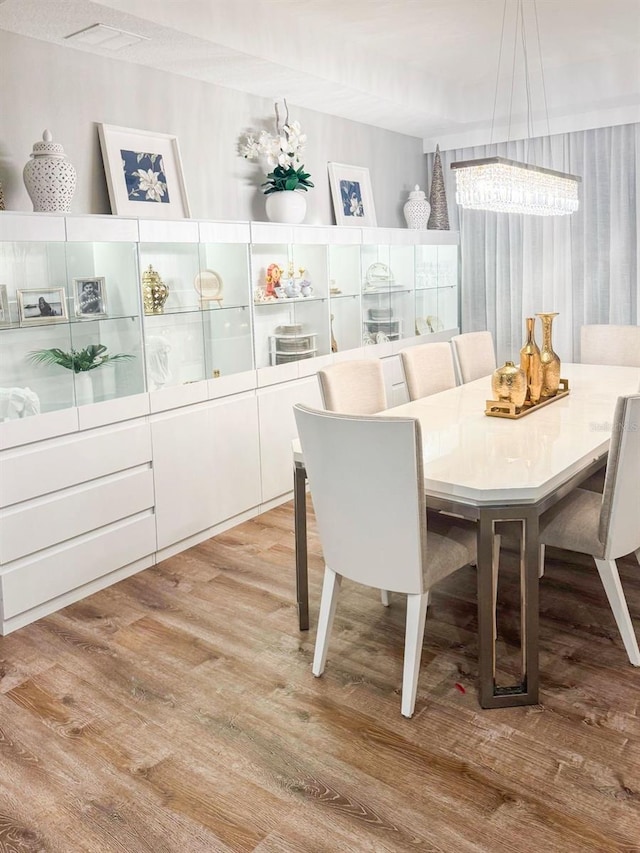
x=352 y=195
x=90 y=297
x=5 y=319
x=39 y=306
x=144 y=173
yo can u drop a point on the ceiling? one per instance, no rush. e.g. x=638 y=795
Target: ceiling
x=426 y=68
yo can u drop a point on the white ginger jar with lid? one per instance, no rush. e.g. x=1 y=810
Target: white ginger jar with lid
x=49 y=177
x=417 y=209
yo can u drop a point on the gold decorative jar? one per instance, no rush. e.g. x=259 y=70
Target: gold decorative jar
x=531 y=363
x=154 y=292
x=509 y=384
x=550 y=361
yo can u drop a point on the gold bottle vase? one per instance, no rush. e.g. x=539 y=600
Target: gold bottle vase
x=531 y=363
x=509 y=384
x=154 y=292
x=550 y=361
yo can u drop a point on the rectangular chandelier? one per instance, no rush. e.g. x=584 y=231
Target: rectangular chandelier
x=506 y=186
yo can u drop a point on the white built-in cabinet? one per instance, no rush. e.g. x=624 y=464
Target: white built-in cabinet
x=192 y=433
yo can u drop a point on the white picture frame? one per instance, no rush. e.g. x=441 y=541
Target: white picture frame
x=42 y=305
x=144 y=173
x=352 y=195
x=90 y=297
x=5 y=317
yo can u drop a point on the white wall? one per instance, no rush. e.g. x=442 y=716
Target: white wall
x=69 y=91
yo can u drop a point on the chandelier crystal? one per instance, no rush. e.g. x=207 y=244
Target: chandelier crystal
x=506 y=186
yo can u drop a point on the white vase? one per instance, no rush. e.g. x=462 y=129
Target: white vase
x=288 y=206
x=417 y=209
x=83 y=384
x=49 y=177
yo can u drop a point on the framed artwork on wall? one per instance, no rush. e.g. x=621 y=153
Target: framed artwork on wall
x=41 y=305
x=352 y=195
x=91 y=302
x=144 y=173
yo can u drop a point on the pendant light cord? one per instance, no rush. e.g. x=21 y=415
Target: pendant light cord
x=544 y=86
x=495 y=96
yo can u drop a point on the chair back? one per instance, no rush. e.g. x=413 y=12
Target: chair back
x=616 y=345
x=367 y=484
x=475 y=355
x=353 y=387
x=620 y=515
x=428 y=369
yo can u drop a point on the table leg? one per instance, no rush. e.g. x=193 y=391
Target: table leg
x=300 y=523
x=526 y=691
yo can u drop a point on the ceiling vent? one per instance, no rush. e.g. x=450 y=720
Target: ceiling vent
x=100 y=35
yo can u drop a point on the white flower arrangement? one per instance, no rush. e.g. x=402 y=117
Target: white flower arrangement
x=281 y=153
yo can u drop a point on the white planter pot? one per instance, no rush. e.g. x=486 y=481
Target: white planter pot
x=288 y=206
x=83 y=387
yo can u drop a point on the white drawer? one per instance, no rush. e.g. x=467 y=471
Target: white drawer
x=76 y=563
x=44 y=522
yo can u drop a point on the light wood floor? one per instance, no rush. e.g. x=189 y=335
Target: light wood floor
x=176 y=711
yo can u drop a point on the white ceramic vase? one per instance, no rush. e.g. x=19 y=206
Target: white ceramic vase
x=84 y=388
x=288 y=206
x=49 y=177
x=417 y=209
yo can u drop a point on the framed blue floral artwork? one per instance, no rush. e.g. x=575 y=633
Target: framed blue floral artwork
x=144 y=173
x=352 y=195
x=145 y=177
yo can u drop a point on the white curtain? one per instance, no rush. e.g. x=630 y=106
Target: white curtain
x=585 y=266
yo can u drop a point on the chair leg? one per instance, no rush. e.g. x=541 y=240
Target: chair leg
x=608 y=571
x=330 y=590
x=541 y=562
x=384 y=597
x=414 y=635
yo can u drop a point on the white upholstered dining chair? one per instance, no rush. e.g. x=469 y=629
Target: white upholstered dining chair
x=608 y=344
x=607 y=526
x=475 y=355
x=428 y=369
x=372 y=520
x=353 y=387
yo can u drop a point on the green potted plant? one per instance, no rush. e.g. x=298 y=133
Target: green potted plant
x=80 y=362
x=288 y=179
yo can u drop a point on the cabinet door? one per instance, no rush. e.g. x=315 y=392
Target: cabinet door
x=206 y=466
x=277 y=431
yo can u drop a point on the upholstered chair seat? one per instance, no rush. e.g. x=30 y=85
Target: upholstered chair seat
x=428 y=369
x=475 y=355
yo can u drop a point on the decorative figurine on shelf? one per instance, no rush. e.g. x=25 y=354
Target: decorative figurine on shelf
x=334 y=343
x=274 y=274
x=439 y=218
x=157 y=352
x=154 y=292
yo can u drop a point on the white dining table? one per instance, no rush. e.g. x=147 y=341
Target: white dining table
x=494 y=470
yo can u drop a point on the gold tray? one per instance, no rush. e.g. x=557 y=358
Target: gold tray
x=502 y=409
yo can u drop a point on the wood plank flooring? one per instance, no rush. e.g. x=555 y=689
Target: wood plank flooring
x=175 y=712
